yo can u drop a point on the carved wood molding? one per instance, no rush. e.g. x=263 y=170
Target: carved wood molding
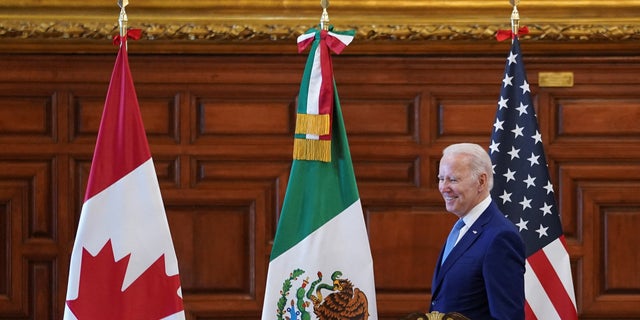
x=280 y=32
x=257 y=26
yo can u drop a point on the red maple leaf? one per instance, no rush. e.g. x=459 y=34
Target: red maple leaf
x=153 y=295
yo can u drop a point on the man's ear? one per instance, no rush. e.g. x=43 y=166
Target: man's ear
x=483 y=182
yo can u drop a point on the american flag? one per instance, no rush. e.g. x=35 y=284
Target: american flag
x=523 y=191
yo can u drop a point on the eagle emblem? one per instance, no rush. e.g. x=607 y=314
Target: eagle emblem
x=337 y=299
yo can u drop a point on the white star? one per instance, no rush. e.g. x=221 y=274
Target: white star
x=546 y=209
x=533 y=159
x=523 y=108
x=517 y=131
x=506 y=197
x=522 y=225
x=530 y=181
x=514 y=152
x=537 y=137
x=507 y=80
x=503 y=103
x=526 y=203
x=509 y=175
x=493 y=169
x=498 y=125
x=494 y=146
x=542 y=231
x=525 y=87
x=512 y=58
x=549 y=187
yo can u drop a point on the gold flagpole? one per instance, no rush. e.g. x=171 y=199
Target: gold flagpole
x=515 y=17
x=122 y=21
x=324 y=19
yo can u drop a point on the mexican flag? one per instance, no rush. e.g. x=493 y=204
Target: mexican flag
x=123 y=264
x=321 y=266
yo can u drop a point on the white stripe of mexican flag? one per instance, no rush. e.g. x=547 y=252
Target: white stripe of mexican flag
x=339 y=245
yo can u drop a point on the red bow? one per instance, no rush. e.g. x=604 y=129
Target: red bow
x=331 y=42
x=134 y=34
x=508 y=34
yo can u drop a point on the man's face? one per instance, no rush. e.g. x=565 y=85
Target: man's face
x=459 y=187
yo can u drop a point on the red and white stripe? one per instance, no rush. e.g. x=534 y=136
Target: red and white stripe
x=548 y=284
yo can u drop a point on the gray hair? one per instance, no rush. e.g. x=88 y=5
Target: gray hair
x=480 y=160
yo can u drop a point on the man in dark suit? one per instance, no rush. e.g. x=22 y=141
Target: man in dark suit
x=482 y=276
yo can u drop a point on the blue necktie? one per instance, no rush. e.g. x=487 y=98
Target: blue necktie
x=451 y=240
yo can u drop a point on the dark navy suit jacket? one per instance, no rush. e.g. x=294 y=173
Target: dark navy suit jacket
x=483 y=277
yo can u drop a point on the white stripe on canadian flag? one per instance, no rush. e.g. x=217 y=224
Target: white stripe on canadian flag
x=130 y=212
x=551 y=296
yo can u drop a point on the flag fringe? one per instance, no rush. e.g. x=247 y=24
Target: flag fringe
x=318 y=124
x=307 y=149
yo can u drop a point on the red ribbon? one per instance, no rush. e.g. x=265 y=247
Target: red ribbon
x=332 y=42
x=134 y=34
x=508 y=34
x=305 y=44
x=325 y=100
x=328 y=44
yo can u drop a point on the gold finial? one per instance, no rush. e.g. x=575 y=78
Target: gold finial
x=515 y=16
x=324 y=19
x=435 y=315
x=123 y=17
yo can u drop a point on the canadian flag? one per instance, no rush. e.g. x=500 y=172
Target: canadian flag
x=123 y=264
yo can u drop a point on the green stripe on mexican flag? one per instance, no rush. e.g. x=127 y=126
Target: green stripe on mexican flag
x=321 y=265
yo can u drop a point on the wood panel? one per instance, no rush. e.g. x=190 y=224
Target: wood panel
x=28 y=118
x=594 y=117
x=614 y=286
x=220 y=131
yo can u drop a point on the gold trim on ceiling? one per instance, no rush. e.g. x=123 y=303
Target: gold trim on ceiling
x=279 y=32
x=252 y=25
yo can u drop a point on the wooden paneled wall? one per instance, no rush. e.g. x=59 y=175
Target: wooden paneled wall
x=221 y=128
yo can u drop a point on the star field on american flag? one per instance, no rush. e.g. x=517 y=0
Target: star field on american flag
x=522 y=188
x=523 y=191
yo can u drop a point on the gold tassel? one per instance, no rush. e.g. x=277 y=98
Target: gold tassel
x=317 y=124
x=307 y=149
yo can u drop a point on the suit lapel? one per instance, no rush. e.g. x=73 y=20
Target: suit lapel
x=462 y=246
